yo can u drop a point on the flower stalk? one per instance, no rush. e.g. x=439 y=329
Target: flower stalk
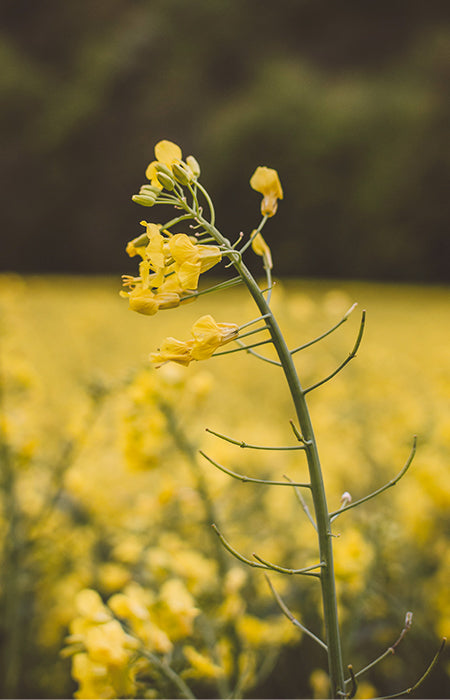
x=169 y=272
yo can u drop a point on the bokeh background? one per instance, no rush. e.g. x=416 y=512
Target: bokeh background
x=347 y=100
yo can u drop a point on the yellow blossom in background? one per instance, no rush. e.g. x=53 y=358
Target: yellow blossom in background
x=202 y=666
x=266 y=181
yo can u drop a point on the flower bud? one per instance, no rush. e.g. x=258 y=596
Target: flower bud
x=149 y=190
x=162 y=168
x=194 y=165
x=165 y=180
x=141 y=240
x=144 y=200
x=180 y=174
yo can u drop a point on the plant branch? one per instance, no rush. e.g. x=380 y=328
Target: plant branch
x=290 y=616
x=382 y=488
x=243 y=444
x=249 y=479
x=283 y=570
x=324 y=335
x=346 y=361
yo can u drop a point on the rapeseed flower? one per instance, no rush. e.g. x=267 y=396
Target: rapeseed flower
x=266 y=181
x=169 y=271
x=166 y=153
x=208 y=335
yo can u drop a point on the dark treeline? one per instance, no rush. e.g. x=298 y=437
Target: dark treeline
x=346 y=99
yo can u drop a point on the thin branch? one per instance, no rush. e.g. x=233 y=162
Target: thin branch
x=257 y=354
x=235 y=553
x=390 y=650
x=303 y=504
x=306 y=571
x=354 y=683
x=254 y=234
x=290 y=616
x=242 y=347
x=249 y=479
x=243 y=444
x=346 y=361
x=255 y=330
x=255 y=320
x=298 y=434
x=382 y=488
x=168 y=671
x=324 y=335
x=217 y=287
x=422 y=678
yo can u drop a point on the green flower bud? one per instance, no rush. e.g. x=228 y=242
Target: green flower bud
x=140 y=241
x=149 y=190
x=161 y=168
x=165 y=181
x=144 y=200
x=180 y=174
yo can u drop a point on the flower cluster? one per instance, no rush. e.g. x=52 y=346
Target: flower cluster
x=107 y=641
x=169 y=271
x=207 y=336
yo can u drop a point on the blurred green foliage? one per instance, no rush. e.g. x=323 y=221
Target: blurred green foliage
x=346 y=100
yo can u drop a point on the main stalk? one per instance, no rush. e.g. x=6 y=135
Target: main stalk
x=329 y=601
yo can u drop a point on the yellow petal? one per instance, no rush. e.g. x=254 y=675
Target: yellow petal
x=173 y=350
x=167 y=152
x=210 y=255
x=155 y=247
x=182 y=249
x=143 y=301
x=266 y=181
x=261 y=248
x=188 y=274
x=151 y=174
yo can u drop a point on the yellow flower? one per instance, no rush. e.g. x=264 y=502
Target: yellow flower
x=173 y=350
x=209 y=335
x=109 y=644
x=266 y=181
x=201 y=665
x=167 y=153
x=260 y=247
x=143 y=301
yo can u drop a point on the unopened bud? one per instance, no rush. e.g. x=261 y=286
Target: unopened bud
x=162 y=168
x=140 y=241
x=346 y=498
x=165 y=180
x=408 y=619
x=180 y=174
x=150 y=190
x=144 y=200
x=194 y=165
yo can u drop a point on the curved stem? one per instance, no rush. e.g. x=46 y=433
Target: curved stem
x=329 y=601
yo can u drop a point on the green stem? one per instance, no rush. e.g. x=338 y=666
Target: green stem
x=329 y=601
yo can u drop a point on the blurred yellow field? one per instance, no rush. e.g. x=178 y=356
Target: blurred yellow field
x=103 y=488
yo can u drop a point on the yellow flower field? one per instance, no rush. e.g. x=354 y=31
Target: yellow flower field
x=107 y=505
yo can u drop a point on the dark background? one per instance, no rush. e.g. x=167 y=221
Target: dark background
x=346 y=99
